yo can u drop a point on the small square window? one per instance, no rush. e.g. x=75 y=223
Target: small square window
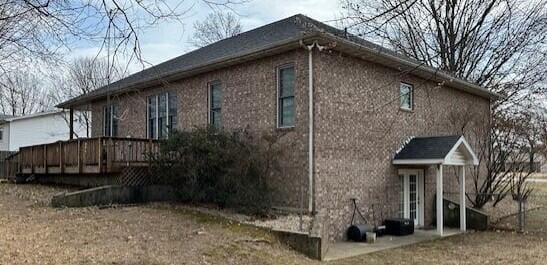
x=406 y=96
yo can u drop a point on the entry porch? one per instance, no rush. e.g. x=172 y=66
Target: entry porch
x=437 y=153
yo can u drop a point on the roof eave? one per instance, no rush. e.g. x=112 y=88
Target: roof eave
x=272 y=49
x=427 y=161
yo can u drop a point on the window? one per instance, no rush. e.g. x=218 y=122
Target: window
x=162 y=115
x=285 y=94
x=406 y=96
x=110 y=120
x=172 y=112
x=215 y=104
x=1 y=135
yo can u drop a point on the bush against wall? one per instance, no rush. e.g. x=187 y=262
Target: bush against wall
x=229 y=169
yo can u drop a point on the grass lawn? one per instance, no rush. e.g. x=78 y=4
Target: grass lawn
x=33 y=233
x=540 y=188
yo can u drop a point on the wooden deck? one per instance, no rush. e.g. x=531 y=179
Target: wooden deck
x=100 y=155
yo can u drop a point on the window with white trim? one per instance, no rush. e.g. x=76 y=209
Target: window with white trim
x=110 y=120
x=215 y=104
x=285 y=96
x=161 y=115
x=406 y=96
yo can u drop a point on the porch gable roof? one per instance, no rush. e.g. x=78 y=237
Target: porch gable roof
x=447 y=150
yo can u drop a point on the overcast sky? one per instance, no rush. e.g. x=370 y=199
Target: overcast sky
x=170 y=40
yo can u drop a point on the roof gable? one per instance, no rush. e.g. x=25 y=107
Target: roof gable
x=449 y=150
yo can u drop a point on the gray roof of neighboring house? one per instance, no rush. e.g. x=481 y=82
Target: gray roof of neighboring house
x=428 y=147
x=253 y=44
x=3 y=118
x=35 y=115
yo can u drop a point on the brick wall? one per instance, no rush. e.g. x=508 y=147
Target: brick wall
x=359 y=127
x=249 y=101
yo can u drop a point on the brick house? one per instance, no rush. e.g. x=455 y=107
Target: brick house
x=360 y=121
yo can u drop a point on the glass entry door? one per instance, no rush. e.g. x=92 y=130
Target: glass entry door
x=411 y=194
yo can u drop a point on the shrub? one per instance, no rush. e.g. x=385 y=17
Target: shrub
x=229 y=169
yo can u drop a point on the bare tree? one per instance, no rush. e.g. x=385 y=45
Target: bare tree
x=22 y=94
x=80 y=77
x=500 y=45
x=478 y=40
x=216 y=26
x=42 y=29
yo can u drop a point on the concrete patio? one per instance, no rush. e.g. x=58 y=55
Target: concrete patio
x=347 y=249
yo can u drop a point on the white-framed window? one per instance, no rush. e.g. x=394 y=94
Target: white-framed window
x=161 y=117
x=110 y=120
x=285 y=96
x=215 y=104
x=406 y=94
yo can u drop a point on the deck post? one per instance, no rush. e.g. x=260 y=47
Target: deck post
x=79 y=156
x=19 y=166
x=463 y=224
x=71 y=123
x=109 y=154
x=61 y=158
x=100 y=155
x=45 y=159
x=439 y=202
x=32 y=159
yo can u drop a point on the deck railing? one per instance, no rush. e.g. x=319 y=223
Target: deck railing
x=81 y=156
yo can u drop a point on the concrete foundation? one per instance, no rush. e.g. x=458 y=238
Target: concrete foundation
x=310 y=246
x=113 y=194
x=84 y=180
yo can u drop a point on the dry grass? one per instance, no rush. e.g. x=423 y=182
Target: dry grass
x=539 y=175
x=540 y=188
x=33 y=233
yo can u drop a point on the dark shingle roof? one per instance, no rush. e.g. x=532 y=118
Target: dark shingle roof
x=428 y=147
x=3 y=117
x=266 y=37
x=287 y=29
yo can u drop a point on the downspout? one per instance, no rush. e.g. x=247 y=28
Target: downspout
x=311 y=179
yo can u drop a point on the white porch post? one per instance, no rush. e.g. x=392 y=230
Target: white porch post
x=463 y=219
x=440 y=200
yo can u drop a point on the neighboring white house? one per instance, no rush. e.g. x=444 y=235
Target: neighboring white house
x=38 y=128
x=4 y=132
